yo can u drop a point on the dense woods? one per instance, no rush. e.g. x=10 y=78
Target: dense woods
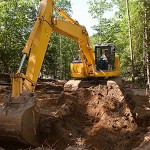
x=128 y=29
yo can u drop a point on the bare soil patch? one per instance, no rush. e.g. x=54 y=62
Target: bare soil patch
x=101 y=117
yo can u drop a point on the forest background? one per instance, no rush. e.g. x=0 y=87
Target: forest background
x=128 y=29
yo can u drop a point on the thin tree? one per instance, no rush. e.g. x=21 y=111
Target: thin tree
x=61 y=65
x=147 y=40
x=130 y=39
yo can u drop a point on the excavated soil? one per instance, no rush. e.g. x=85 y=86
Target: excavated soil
x=101 y=117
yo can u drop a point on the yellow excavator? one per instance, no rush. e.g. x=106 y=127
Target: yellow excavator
x=19 y=114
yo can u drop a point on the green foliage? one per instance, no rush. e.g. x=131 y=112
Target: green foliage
x=61 y=50
x=115 y=30
x=59 y=55
x=16 y=19
x=65 y=5
x=97 y=8
x=136 y=15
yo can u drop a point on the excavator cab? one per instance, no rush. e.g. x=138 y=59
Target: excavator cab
x=105 y=57
x=106 y=63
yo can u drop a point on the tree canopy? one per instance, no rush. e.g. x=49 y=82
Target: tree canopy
x=16 y=21
x=116 y=30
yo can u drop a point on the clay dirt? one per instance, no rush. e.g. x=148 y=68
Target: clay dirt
x=103 y=116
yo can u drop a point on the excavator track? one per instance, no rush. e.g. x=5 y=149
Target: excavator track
x=72 y=85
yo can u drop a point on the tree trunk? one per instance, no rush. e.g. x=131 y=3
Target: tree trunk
x=144 y=54
x=130 y=39
x=61 y=67
x=147 y=39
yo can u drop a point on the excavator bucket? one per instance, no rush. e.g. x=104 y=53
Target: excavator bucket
x=19 y=120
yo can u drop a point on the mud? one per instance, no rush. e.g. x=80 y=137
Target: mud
x=101 y=117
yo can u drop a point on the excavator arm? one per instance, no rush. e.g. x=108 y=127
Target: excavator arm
x=37 y=43
x=35 y=49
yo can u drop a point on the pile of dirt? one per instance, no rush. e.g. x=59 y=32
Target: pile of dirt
x=101 y=117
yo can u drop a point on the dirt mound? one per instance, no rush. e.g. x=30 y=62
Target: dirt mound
x=100 y=117
x=97 y=118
